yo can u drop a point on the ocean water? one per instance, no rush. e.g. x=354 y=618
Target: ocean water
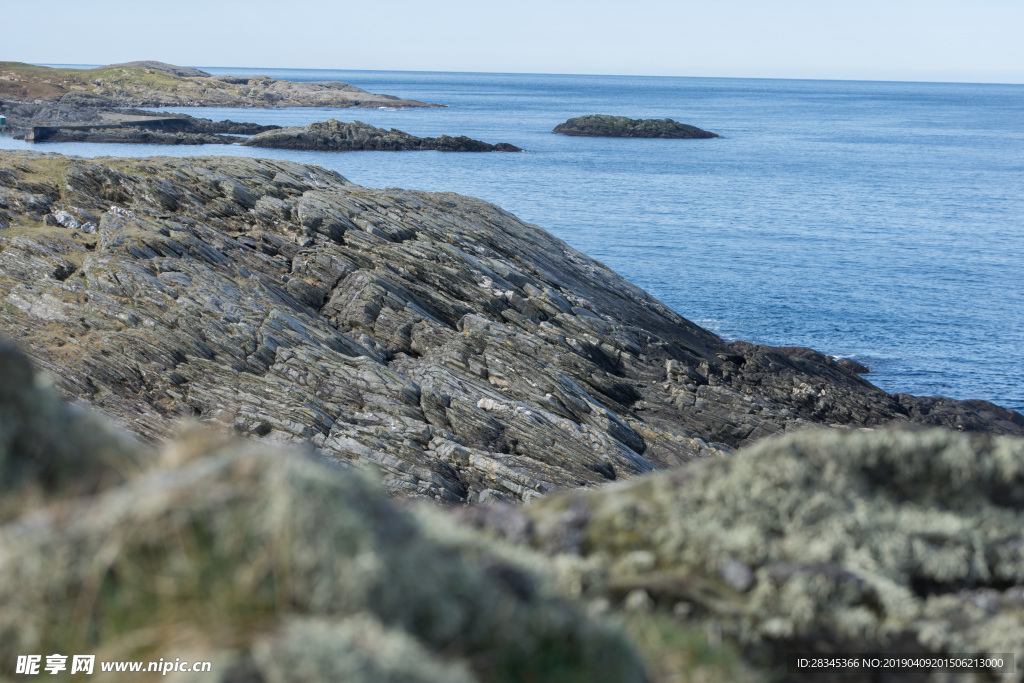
x=878 y=221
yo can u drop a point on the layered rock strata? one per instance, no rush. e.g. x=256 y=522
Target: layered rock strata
x=338 y=136
x=601 y=125
x=270 y=565
x=467 y=354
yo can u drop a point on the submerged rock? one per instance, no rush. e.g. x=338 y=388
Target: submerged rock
x=601 y=125
x=466 y=354
x=338 y=136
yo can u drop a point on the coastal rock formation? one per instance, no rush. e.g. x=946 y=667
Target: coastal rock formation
x=69 y=120
x=603 y=126
x=834 y=542
x=277 y=567
x=338 y=136
x=465 y=353
x=140 y=86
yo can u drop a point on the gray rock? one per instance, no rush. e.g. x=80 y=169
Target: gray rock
x=67 y=220
x=888 y=541
x=277 y=567
x=601 y=125
x=457 y=349
x=337 y=136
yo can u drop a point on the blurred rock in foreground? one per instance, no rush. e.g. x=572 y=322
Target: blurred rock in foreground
x=468 y=355
x=274 y=566
x=279 y=568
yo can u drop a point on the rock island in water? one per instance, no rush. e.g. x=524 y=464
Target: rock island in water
x=338 y=136
x=603 y=126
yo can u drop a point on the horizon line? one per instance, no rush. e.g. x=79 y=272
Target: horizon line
x=546 y=73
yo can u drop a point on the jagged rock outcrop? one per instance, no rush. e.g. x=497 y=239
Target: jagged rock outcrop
x=603 y=126
x=69 y=115
x=338 y=136
x=465 y=353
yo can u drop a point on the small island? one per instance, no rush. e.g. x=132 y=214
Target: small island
x=604 y=126
x=339 y=136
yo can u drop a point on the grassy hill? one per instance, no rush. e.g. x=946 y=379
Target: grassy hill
x=142 y=86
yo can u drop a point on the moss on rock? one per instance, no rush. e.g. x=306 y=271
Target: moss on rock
x=891 y=540
x=233 y=548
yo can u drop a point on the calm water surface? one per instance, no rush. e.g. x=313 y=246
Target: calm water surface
x=878 y=221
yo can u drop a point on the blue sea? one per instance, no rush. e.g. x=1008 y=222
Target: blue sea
x=882 y=222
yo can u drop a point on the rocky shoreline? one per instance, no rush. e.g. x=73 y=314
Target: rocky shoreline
x=69 y=121
x=467 y=354
x=99 y=105
x=766 y=500
x=338 y=136
x=261 y=559
x=600 y=125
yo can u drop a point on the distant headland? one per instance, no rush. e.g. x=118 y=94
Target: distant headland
x=155 y=84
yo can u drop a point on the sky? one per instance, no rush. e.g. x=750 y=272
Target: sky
x=902 y=40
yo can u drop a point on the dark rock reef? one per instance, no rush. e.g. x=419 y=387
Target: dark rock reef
x=126 y=134
x=467 y=354
x=338 y=136
x=603 y=126
x=67 y=120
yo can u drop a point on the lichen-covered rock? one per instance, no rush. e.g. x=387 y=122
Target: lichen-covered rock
x=869 y=541
x=271 y=564
x=464 y=353
x=50 y=446
x=604 y=126
x=338 y=136
x=279 y=568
